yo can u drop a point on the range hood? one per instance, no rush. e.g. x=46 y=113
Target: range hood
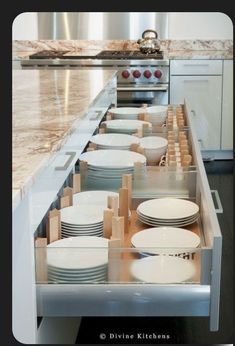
x=100 y=25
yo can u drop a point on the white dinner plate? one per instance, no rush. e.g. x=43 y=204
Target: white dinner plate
x=162 y=238
x=156 y=110
x=93 y=197
x=168 y=208
x=82 y=214
x=114 y=140
x=173 y=224
x=162 y=269
x=195 y=216
x=78 y=252
x=126 y=110
x=117 y=159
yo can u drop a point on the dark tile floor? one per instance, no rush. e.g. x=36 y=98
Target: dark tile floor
x=183 y=330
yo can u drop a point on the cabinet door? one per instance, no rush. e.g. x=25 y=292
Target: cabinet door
x=227 y=106
x=203 y=94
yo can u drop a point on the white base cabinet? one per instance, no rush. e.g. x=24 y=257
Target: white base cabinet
x=227 y=106
x=207 y=87
x=204 y=97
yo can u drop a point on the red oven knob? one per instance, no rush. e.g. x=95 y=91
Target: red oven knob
x=147 y=74
x=125 y=74
x=136 y=74
x=158 y=74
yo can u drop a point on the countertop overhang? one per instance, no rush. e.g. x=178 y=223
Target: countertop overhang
x=46 y=104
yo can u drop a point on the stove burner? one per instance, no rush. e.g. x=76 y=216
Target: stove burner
x=45 y=54
x=128 y=54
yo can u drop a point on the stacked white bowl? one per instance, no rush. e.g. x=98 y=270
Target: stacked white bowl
x=114 y=141
x=125 y=126
x=156 y=114
x=154 y=147
x=126 y=112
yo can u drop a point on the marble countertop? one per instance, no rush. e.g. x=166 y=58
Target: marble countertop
x=46 y=103
x=168 y=54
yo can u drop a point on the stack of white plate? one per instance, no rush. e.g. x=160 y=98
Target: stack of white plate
x=162 y=269
x=154 y=147
x=93 y=197
x=82 y=220
x=168 y=212
x=114 y=141
x=156 y=114
x=78 y=260
x=111 y=164
x=165 y=240
x=126 y=112
x=125 y=126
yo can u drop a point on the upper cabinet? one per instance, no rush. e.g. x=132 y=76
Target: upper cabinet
x=227 y=106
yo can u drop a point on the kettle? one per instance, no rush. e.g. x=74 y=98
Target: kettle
x=149 y=42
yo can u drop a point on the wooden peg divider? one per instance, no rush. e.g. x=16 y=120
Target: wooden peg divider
x=113 y=204
x=141 y=150
x=118 y=228
x=127 y=183
x=83 y=166
x=141 y=116
x=93 y=145
x=76 y=183
x=41 y=260
x=134 y=147
x=114 y=258
x=145 y=128
x=102 y=130
x=123 y=207
x=64 y=202
x=53 y=226
x=109 y=116
x=90 y=149
x=107 y=222
x=68 y=191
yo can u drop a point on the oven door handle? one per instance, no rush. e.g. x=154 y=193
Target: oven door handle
x=143 y=88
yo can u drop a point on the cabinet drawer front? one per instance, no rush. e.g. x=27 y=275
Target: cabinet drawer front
x=196 y=67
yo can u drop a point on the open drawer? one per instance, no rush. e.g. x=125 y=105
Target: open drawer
x=116 y=289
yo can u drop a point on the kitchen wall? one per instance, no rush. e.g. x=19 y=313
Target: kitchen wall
x=182 y=25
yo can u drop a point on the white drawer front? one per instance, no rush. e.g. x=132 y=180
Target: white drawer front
x=196 y=67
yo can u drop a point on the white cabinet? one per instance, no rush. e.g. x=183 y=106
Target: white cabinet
x=204 y=97
x=227 y=106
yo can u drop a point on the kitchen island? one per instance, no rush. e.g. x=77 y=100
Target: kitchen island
x=54 y=115
x=47 y=107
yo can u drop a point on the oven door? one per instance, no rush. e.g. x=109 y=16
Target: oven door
x=132 y=95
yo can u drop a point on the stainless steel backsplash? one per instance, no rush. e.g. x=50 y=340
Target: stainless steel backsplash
x=100 y=25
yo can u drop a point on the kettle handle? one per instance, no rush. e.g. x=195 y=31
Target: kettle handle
x=148 y=30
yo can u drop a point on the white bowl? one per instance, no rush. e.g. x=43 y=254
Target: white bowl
x=126 y=112
x=157 y=114
x=154 y=148
x=125 y=126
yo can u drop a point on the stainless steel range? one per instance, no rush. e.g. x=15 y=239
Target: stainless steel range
x=142 y=78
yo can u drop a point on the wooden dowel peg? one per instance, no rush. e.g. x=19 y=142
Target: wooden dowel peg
x=90 y=149
x=123 y=207
x=141 y=116
x=107 y=223
x=127 y=183
x=118 y=228
x=83 y=167
x=113 y=202
x=141 y=150
x=76 y=183
x=114 y=263
x=93 y=145
x=64 y=202
x=102 y=130
x=68 y=191
x=53 y=226
x=134 y=147
x=41 y=260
